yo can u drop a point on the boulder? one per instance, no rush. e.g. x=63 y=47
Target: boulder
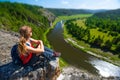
x=41 y=71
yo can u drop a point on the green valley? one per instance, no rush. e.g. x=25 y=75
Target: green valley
x=92 y=39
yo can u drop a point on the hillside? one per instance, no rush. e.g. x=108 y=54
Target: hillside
x=15 y=15
x=109 y=23
x=67 y=12
x=109 y=20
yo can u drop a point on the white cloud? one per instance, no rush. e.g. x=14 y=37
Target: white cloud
x=64 y=2
x=82 y=6
x=96 y=4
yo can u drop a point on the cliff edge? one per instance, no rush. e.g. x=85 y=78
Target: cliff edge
x=42 y=70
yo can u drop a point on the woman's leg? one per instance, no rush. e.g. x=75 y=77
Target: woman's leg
x=48 y=55
x=48 y=49
x=33 y=60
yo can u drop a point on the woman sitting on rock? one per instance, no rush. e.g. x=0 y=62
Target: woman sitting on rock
x=27 y=52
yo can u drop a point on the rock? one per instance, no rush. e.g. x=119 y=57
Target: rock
x=10 y=71
x=40 y=71
x=73 y=73
x=7 y=40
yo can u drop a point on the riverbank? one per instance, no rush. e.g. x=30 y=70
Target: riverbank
x=107 y=56
x=73 y=73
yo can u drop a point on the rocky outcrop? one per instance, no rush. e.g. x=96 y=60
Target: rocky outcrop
x=42 y=70
x=50 y=16
x=73 y=73
x=7 y=40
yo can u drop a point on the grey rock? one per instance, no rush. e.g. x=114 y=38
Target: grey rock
x=10 y=71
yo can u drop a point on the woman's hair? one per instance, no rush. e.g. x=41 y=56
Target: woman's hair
x=24 y=35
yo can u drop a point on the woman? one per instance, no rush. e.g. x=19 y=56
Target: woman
x=27 y=52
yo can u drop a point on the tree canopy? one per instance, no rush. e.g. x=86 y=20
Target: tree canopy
x=15 y=15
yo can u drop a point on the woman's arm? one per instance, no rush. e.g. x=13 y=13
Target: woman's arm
x=34 y=41
x=37 y=50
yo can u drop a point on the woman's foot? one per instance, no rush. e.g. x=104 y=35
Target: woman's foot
x=56 y=54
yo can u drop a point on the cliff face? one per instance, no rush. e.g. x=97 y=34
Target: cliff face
x=42 y=70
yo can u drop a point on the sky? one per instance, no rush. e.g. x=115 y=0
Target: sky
x=73 y=4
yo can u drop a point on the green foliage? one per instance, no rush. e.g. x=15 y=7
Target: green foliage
x=118 y=48
x=106 y=39
x=116 y=40
x=97 y=42
x=96 y=37
x=107 y=45
x=109 y=20
x=15 y=15
x=76 y=31
x=69 y=12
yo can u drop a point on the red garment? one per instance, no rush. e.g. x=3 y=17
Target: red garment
x=26 y=58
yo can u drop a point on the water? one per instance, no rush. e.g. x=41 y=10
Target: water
x=79 y=58
x=105 y=69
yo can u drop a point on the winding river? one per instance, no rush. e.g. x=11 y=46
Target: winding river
x=79 y=58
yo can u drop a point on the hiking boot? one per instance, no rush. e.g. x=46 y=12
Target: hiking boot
x=56 y=54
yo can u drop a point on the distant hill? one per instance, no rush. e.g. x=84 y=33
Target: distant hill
x=108 y=23
x=15 y=15
x=109 y=20
x=63 y=12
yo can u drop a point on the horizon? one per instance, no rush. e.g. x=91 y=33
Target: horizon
x=69 y=4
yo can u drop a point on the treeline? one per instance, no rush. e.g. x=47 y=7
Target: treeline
x=106 y=21
x=85 y=35
x=77 y=31
x=15 y=15
x=68 y=12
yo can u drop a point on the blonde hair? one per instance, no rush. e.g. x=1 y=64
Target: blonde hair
x=24 y=35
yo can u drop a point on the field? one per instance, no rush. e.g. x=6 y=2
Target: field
x=94 y=32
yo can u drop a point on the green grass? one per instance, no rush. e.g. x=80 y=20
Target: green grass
x=80 y=23
x=96 y=33
x=63 y=63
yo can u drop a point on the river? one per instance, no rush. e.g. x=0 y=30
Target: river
x=78 y=58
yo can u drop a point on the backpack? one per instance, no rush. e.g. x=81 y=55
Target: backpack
x=15 y=55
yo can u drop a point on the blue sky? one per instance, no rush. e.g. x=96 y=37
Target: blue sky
x=74 y=4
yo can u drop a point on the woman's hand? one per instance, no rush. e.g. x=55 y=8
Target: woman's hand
x=34 y=41
x=40 y=42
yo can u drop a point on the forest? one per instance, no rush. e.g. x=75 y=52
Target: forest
x=15 y=15
x=109 y=21
x=101 y=30
x=68 y=12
